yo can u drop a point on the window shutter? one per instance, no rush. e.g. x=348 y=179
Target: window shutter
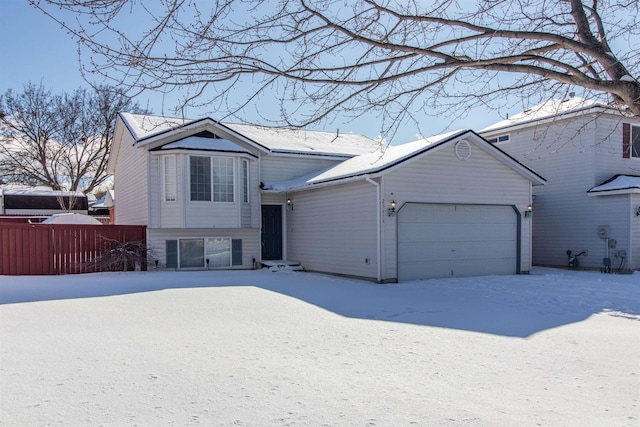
x=172 y=253
x=236 y=252
x=626 y=140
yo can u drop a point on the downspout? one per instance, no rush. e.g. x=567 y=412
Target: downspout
x=379 y=226
x=629 y=259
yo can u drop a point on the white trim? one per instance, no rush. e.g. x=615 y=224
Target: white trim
x=379 y=224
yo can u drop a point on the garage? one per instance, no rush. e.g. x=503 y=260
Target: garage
x=456 y=240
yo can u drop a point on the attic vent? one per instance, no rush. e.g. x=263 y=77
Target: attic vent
x=463 y=150
x=206 y=134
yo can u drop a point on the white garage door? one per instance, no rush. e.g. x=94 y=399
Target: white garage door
x=456 y=240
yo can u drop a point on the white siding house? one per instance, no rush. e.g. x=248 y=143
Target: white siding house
x=218 y=196
x=579 y=145
x=452 y=205
x=197 y=185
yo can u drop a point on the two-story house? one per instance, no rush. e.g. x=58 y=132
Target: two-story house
x=217 y=195
x=590 y=155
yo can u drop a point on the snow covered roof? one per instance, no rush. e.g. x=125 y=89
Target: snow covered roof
x=275 y=139
x=286 y=140
x=142 y=126
x=202 y=143
x=548 y=109
x=20 y=190
x=618 y=184
x=379 y=161
x=71 y=218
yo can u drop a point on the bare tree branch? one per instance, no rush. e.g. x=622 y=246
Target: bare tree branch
x=347 y=58
x=60 y=141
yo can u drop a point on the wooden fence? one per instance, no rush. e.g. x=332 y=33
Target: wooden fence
x=45 y=249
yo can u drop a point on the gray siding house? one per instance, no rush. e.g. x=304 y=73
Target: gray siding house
x=590 y=155
x=220 y=196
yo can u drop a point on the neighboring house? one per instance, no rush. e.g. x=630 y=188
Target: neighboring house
x=590 y=155
x=217 y=195
x=40 y=201
x=104 y=206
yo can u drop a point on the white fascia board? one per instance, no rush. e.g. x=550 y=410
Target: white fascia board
x=620 y=192
x=322 y=184
x=307 y=155
x=191 y=151
x=115 y=145
x=545 y=120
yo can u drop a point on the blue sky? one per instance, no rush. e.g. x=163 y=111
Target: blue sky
x=34 y=48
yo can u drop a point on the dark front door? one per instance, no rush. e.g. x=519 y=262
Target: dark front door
x=271 y=232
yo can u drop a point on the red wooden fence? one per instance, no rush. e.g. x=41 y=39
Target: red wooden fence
x=32 y=249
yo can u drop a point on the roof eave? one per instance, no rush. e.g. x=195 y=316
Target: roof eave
x=497 y=153
x=616 y=192
x=596 y=109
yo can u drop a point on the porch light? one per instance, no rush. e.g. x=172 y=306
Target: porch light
x=289 y=204
x=638 y=211
x=528 y=212
x=392 y=209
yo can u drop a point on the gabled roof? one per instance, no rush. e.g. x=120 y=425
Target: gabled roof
x=382 y=161
x=552 y=108
x=143 y=126
x=146 y=129
x=204 y=144
x=618 y=184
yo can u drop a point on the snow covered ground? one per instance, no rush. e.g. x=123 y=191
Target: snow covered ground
x=260 y=348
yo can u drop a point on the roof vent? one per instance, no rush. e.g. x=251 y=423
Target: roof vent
x=463 y=150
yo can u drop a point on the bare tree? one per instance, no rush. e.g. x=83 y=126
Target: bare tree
x=350 y=57
x=61 y=141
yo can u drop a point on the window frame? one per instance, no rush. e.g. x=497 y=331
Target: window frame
x=217 y=186
x=175 y=252
x=211 y=255
x=245 y=181
x=634 y=141
x=500 y=139
x=205 y=184
x=217 y=192
x=165 y=194
x=180 y=251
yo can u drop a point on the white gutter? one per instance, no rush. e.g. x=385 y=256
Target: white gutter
x=379 y=225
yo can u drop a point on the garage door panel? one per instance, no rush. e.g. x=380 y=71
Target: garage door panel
x=456 y=240
x=432 y=269
x=415 y=213
x=438 y=251
x=455 y=232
